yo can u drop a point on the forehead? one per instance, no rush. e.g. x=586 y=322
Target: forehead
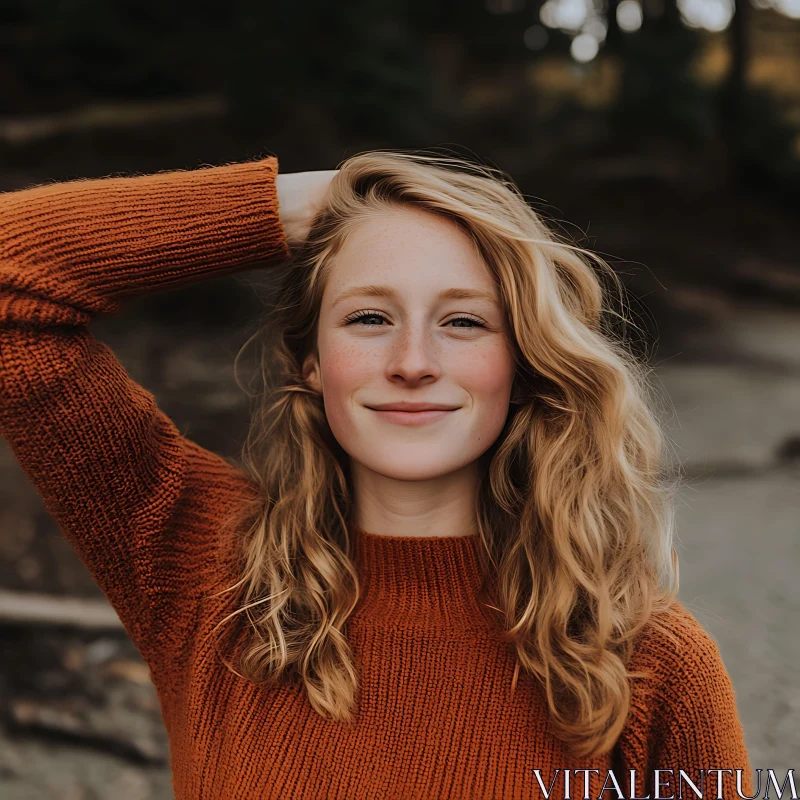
x=409 y=247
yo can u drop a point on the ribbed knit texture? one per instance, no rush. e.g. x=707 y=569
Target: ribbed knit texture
x=142 y=505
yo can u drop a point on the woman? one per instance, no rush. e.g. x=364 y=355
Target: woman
x=379 y=601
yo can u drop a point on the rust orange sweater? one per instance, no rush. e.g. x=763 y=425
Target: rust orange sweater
x=141 y=505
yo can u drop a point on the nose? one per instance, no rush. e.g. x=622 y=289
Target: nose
x=413 y=356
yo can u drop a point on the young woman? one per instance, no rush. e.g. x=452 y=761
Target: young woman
x=443 y=566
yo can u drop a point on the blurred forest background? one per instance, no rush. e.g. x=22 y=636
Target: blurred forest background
x=664 y=134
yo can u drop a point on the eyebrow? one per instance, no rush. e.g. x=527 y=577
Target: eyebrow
x=388 y=292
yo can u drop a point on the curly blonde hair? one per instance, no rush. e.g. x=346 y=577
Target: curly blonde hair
x=575 y=506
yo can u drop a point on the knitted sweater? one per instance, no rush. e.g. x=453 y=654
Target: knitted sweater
x=141 y=504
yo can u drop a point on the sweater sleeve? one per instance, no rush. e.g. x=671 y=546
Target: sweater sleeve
x=684 y=717
x=111 y=468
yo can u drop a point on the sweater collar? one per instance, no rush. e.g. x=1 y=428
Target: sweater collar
x=420 y=582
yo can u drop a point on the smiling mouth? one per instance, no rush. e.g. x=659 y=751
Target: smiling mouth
x=413 y=417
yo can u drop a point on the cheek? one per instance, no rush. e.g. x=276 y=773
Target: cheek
x=486 y=372
x=346 y=368
x=487 y=377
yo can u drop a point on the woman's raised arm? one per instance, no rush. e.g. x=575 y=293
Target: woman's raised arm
x=110 y=467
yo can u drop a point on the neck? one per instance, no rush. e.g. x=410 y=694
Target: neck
x=441 y=506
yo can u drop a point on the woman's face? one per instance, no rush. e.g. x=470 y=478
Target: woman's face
x=410 y=313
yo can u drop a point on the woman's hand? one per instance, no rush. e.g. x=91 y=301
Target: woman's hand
x=300 y=196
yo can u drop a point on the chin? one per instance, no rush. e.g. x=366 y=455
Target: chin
x=419 y=468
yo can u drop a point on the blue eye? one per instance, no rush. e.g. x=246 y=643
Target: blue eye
x=468 y=319
x=361 y=315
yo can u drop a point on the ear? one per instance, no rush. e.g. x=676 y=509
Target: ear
x=311 y=373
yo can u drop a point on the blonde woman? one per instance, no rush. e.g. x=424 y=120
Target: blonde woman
x=442 y=567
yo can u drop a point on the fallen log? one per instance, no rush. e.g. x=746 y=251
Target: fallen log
x=29 y=608
x=141 y=740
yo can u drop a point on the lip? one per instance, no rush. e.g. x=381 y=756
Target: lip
x=406 y=405
x=400 y=417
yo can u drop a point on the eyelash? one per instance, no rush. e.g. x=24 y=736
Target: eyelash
x=359 y=314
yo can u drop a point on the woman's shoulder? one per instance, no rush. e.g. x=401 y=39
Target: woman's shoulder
x=675 y=643
x=683 y=710
x=677 y=667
